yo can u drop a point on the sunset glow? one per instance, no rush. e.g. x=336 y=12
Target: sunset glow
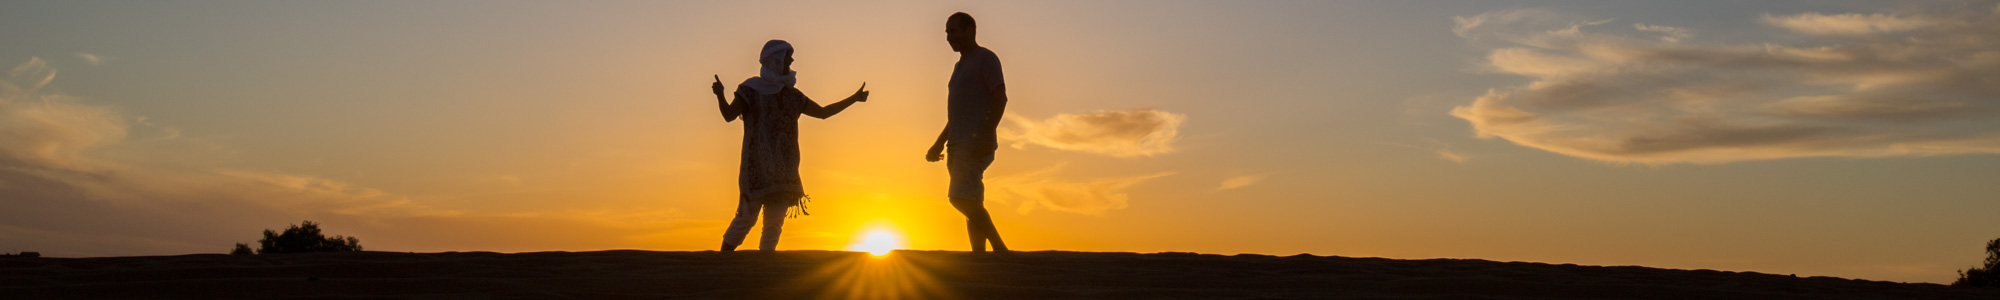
x=878 y=242
x=1848 y=138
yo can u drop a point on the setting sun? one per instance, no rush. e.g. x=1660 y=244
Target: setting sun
x=878 y=242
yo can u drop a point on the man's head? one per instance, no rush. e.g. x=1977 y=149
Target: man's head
x=959 y=31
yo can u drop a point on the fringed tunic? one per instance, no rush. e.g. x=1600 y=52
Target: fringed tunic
x=770 y=170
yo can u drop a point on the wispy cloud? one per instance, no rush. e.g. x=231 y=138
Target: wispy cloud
x=1883 y=85
x=1239 y=182
x=93 y=59
x=1854 y=24
x=1439 y=148
x=1456 y=157
x=1465 y=26
x=1130 y=133
x=1671 y=34
x=1042 y=188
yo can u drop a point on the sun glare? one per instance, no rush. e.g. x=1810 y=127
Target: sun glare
x=877 y=242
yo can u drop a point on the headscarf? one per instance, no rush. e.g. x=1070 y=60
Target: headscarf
x=773 y=57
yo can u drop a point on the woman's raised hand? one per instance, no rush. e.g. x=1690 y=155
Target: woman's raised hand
x=717 y=86
x=861 y=94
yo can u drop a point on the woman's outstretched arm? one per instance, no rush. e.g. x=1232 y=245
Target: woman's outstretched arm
x=816 y=111
x=729 y=110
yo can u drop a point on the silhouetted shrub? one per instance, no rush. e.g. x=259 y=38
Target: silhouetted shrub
x=241 y=249
x=1983 y=276
x=303 y=238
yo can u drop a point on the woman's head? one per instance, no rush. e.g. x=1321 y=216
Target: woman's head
x=777 y=56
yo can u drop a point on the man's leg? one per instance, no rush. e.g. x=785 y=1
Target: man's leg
x=979 y=224
x=974 y=211
x=968 y=195
x=774 y=224
x=993 y=235
x=746 y=216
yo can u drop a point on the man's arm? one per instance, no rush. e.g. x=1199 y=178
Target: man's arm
x=993 y=77
x=999 y=107
x=937 y=149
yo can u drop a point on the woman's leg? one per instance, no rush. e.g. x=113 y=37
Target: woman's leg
x=746 y=216
x=774 y=224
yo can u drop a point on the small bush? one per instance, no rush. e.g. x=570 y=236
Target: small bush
x=241 y=249
x=303 y=238
x=1983 y=276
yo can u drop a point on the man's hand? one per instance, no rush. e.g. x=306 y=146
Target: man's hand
x=718 y=86
x=936 y=154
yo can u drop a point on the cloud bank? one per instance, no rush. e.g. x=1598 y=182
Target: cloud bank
x=1857 y=85
x=62 y=196
x=1131 y=133
x=65 y=199
x=42 y=130
x=1045 y=190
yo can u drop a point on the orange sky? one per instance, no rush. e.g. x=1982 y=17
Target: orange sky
x=1776 y=137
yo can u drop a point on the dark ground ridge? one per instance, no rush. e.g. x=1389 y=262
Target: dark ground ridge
x=634 y=274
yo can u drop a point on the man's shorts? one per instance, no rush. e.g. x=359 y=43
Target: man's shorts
x=968 y=173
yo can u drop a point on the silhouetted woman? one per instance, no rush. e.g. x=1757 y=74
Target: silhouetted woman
x=769 y=177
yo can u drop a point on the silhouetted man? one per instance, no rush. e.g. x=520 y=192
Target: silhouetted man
x=978 y=98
